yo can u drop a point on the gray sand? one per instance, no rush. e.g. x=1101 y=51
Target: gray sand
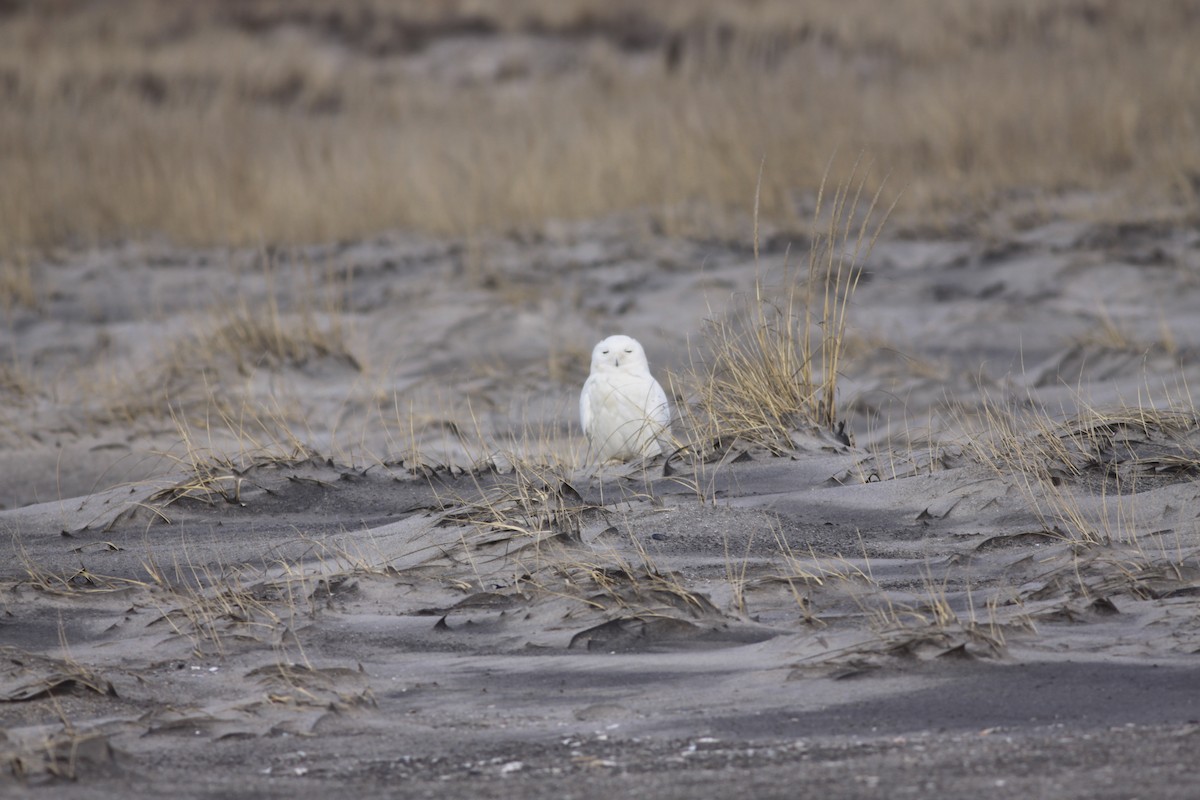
x=888 y=618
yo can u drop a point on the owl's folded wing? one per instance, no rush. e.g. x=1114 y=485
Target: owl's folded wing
x=585 y=404
x=657 y=408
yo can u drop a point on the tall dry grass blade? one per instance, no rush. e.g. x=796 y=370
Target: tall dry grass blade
x=771 y=367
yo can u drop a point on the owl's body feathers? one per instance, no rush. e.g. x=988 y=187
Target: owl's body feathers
x=624 y=411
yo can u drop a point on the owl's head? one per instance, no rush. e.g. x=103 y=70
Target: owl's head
x=619 y=353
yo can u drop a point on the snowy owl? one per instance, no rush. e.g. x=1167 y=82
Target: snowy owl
x=623 y=409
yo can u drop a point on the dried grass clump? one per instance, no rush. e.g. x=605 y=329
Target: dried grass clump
x=1082 y=474
x=637 y=601
x=17 y=287
x=49 y=751
x=522 y=519
x=253 y=341
x=27 y=676
x=15 y=382
x=264 y=332
x=533 y=503
x=61 y=755
x=1116 y=443
x=214 y=610
x=213 y=367
x=771 y=367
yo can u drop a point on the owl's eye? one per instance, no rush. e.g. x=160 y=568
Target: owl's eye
x=605 y=352
x=628 y=349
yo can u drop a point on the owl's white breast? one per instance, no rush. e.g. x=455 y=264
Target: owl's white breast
x=624 y=415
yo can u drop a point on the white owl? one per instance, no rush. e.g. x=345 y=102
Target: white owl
x=623 y=409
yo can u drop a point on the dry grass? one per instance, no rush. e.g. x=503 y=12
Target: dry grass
x=214 y=452
x=902 y=623
x=264 y=121
x=770 y=368
x=210 y=370
x=61 y=754
x=933 y=625
x=208 y=609
x=515 y=523
x=254 y=340
x=534 y=502
x=17 y=285
x=213 y=608
x=29 y=675
x=16 y=383
x=1082 y=473
x=1108 y=335
x=300 y=317
x=524 y=530
x=57 y=750
x=299 y=685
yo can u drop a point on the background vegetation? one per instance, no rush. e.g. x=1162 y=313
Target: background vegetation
x=243 y=121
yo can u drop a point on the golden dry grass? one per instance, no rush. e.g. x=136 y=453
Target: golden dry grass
x=771 y=367
x=286 y=122
x=256 y=333
x=1111 y=453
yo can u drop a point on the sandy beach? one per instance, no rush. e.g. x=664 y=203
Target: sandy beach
x=285 y=520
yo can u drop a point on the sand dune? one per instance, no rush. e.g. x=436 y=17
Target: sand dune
x=428 y=606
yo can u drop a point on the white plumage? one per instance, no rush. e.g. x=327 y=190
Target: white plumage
x=623 y=409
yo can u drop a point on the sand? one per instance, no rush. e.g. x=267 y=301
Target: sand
x=391 y=608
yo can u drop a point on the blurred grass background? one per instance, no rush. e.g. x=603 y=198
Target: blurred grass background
x=291 y=121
